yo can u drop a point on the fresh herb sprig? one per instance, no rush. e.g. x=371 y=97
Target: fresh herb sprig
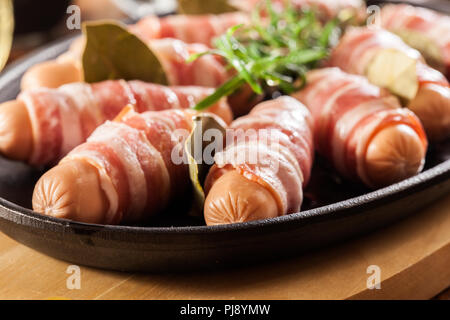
x=274 y=51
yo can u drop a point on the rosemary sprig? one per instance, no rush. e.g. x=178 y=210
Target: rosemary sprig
x=274 y=52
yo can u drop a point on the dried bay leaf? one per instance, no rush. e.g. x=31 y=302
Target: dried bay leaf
x=195 y=146
x=112 y=52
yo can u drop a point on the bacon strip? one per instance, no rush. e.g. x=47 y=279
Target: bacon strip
x=205 y=71
x=132 y=155
x=348 y=111
x=359 y=46
x=175 y=38
x=403 y=18
x=190 y=29
x=272 y=146
x=63 y=118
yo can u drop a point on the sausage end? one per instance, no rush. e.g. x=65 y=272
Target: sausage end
x=16 y=137
x=72 y=191
x=432 y=106
x=234 y=198
x=394 y=154
x=51 y=74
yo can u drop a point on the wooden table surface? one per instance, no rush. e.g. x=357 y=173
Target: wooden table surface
x=413 y=256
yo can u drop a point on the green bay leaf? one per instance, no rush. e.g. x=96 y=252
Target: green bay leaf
x=112 y=52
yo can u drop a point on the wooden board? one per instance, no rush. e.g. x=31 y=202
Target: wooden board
x=413 y=256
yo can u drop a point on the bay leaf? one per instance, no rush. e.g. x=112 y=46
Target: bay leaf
x=195 y=146
x=205 y=7
x=112 y=52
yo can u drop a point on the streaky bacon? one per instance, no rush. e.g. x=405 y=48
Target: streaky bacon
x=402 y=17
x=359 y=46
x=132 y=156
x=63 y=118
x=279 y=157
x=190 y=29
x=205 y=71
x=348 y=111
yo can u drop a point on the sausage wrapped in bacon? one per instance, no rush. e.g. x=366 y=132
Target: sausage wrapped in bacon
x=199 y=29
x=262 y=172
x=425 y=30
x=43 y=125
x=362 y=129
x=188 y=28
x=124 y=173
x=172 y=53
x=388 y=62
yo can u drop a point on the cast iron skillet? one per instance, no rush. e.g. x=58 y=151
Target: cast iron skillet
x=333 y=210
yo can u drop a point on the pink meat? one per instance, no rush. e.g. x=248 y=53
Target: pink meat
x=347 y=112
x=63 y=118
x=131 y=152
x=186 y=28
x=429 y=23
x=158 y=128
x=359 y=45
x=273 y=146
x=105 y=159
x=43 y=107
x=205 y=71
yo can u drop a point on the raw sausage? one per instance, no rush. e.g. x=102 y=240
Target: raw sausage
x=388 y=62
x=205 y=71
x=67 y=67
x=124 y=173
x=188 y=28
x=43 y=125
x=423 y=29
x=362 y=129
x=262 y=172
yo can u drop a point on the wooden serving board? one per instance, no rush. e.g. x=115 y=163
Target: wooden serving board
x=413 y=256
